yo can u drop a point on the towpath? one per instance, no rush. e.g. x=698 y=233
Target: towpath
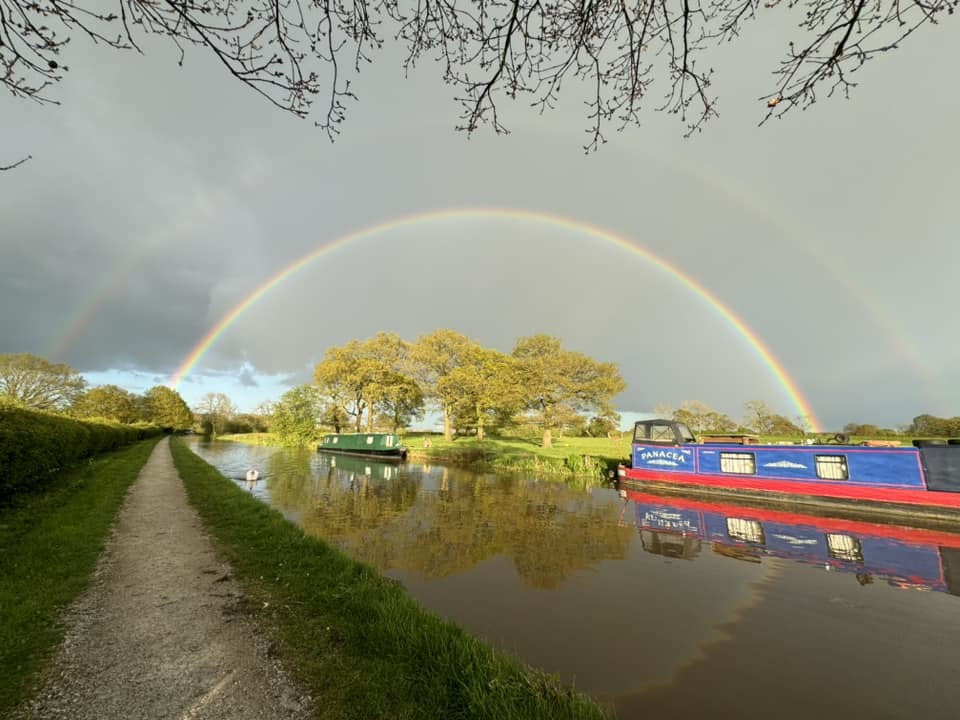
x=162 y=632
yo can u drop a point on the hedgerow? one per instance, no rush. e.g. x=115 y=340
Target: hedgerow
x=34 y=444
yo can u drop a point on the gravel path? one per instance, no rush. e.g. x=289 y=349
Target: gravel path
x=163 y=631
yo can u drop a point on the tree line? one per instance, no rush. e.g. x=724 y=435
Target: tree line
x=34 y=383
x=386 y=381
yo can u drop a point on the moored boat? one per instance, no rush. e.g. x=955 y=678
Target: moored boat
x=385 y=446
x=921 y=483
x=683 y=528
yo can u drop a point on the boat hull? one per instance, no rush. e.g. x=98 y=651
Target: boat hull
x=396 y=455
x=933 y=509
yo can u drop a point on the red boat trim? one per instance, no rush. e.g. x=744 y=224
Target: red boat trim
x=855 y=527
x=928 y=498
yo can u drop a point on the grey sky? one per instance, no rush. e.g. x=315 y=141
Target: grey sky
x=172 y=192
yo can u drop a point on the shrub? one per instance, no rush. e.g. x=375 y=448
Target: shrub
x=34 y=444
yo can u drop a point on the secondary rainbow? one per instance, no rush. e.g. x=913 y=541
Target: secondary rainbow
x=776 y=368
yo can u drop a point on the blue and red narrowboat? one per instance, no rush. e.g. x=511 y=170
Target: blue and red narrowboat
x=920 y=482
x=683 y=528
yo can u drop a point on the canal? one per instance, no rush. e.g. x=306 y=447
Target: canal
x=656 y=606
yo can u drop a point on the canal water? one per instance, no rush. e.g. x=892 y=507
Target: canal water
x=657 y=606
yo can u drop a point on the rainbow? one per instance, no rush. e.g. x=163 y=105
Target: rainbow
x=779 y=372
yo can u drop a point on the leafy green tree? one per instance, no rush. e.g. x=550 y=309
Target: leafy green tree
x=107 y=401
x=485 y=382
x=604 y=425
x=37 y=383
x=164 y=407
x=555 y=380
x=353 y=376
x=296 y=414
x=332 y=415
x=780 y=425
x=398 y=398
x=433 y=357
x=932 y=426
x=216 y=410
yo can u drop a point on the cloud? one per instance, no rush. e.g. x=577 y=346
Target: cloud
x=160 y=197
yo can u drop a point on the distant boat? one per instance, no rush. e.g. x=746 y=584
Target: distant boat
x=920 y=482
x=383 y=445
x=252 y=475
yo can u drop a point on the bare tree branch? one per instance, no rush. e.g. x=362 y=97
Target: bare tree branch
x=18 y=163
x=292 y=51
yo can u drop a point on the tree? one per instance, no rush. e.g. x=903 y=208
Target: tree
x=296 y=414
x=758 y=417
x=293 y=52
x=555 y=380
x=433 y=357
x=216 y=409
x=107 y=401
x=164 y=407
x=38 y=384
x=604 y=425
x=484 y=383
x=398 y=399
x=351 y=376
x=780 y=425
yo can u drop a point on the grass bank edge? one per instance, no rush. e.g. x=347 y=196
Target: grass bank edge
x=50 y=540
x=570 y=457
x=355 y=639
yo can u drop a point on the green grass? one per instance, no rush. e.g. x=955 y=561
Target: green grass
x=503 y=454
x=49 y=543
x=356 y=640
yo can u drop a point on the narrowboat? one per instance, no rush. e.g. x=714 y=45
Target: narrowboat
x=920 y=482
x=683 y=528
x=385 y=446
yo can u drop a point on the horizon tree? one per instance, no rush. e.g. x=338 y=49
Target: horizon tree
x=555 y=380
x=107 y=401
x=38 y=384
x=216 y=409
x=433 y=357
x=296 y=414
x=294 y=53
x=486 y=382
x=164 y=407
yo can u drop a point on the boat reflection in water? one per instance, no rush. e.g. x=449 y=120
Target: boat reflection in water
x=904 y=557
x=354 y=467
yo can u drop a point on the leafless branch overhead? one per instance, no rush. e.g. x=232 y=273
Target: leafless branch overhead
x=292 y=51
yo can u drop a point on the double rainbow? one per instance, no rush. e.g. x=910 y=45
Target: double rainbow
x=800 y=403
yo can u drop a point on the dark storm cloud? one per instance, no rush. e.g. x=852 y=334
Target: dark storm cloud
x=171 y=194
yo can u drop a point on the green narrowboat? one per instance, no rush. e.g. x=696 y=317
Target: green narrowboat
x=382 y=445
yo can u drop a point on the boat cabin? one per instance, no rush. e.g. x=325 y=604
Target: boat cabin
x=662 y=432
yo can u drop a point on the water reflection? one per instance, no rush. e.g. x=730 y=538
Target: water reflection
x=655 y=605
x=413 y=518
x=902 y=557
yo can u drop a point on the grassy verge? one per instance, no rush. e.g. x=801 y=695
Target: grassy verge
x=356 y=640
x=49 y=543
x=579 y=456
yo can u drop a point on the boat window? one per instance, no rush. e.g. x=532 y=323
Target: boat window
x=739 y=463
x=389 y=440
x=662 y=433
x=832 y=467
x=685 y=434
x=844 y=547
x=750 y=531
x=336 y=438
x=369 y=439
